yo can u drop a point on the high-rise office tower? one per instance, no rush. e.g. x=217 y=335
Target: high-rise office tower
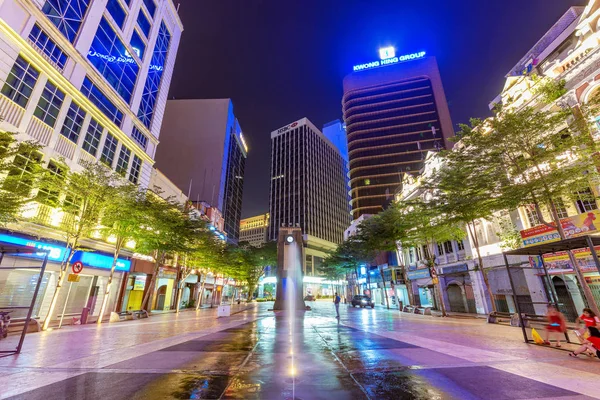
x=335 y=131
x=395 y=112
x=204 y=153
x=308 y=186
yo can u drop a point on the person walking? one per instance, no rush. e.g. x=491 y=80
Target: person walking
x=336 y=302
x=556 y=324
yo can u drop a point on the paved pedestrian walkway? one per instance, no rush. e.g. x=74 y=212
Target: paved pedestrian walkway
x=256 y=354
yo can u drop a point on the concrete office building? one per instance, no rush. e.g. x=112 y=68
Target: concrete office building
x=395 y=111
x=308 y=189
x=87 y=80
x=204 y=153
x=254 y=230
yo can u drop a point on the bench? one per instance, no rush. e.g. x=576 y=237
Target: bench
x=16 y=325
x=417 y=310
x=128 y=315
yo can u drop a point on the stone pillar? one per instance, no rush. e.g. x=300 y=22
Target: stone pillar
x=290 y=264
x=480 y=292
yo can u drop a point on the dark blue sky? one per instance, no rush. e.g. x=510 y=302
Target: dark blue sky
x=280 y=61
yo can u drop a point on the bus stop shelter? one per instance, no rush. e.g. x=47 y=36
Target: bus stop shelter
x=36 y=260
x=539 y=250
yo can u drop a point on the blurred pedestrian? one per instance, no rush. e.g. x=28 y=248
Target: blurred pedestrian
x=556 y=324
x=588 y=319
x=591 y=344
x=336 y=302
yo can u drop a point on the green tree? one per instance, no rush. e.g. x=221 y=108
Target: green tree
x=20 y=167
x=427 y=227
x=162 y=236
x=123 y=219
x=87 y=194
x=540 y=156
x=247 y=263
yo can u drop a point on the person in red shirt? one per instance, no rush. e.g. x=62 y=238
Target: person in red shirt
x=556 y=324
x=591 y=344
x=589 y=319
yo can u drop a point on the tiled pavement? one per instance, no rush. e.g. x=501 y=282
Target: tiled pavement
x=375 y=354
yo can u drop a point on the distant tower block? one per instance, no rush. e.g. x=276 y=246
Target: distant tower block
x=290 y=264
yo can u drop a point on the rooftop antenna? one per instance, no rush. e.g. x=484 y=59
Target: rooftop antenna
x=190 y=189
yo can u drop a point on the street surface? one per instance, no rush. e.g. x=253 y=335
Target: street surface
x=369 y=354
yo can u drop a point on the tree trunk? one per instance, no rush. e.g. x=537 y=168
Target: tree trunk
x=584 y=285
x=109 y=283
x=61 y=279
x=200 y=297
x=473 y=233
x=179 y=294
x=387 y=302
x=438 y=285
x=149 y=295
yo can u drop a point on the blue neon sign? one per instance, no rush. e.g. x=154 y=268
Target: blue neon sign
x=388 y=61
x=58 y=253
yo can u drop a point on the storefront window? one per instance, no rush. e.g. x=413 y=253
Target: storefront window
x=16 y=290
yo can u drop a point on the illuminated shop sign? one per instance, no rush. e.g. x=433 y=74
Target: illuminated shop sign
x=57 y=253
x=120 y=59
x=287 y=127
x=388 y=57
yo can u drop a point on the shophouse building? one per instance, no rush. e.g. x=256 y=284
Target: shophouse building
x=88 y=81
x=568 y=52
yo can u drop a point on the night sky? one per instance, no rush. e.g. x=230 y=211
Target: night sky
x=281 y=60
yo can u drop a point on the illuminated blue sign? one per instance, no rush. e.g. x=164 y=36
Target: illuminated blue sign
x=55 y=253
x=95 y=260
x=387 y=60
x=58 y=253
x=419 y=274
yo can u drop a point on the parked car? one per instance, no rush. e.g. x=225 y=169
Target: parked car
x=309 y=297
x=362 y=301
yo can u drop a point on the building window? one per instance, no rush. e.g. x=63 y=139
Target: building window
x=49 y=194
x=448 y=247
x=92 y=137
x=48 y=46
x=73 y=122
x=136 y=167
x=49 y=105
x=110 y=56
x=100 y=100
x=116 y=12
x=123 y=161
x=66 y=15
x=561 y=210
x=143 y=23
x=532 y=216
x=139 y=137
x=20 y=82
x=460 y=245
x=150 y=6
x=586 y=201
x=108 y=152
x=137 y=44
x=152 y=85
x=440 y=249
x=21 y=174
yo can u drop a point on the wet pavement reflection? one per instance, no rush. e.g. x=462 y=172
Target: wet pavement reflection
x=331 y=361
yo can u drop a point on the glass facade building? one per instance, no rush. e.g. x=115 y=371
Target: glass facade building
x=394 y=115
x=204 y=154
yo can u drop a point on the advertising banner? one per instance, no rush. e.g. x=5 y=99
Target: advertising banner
x=559 y=262
x=577 y=225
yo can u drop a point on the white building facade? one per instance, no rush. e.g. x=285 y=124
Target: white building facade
x=87 y=80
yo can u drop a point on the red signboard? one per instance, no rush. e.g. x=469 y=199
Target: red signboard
x=77 y=267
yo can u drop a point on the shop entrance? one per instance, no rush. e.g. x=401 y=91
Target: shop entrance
x=455 y=297
x=161 y=295
x=565 y=301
